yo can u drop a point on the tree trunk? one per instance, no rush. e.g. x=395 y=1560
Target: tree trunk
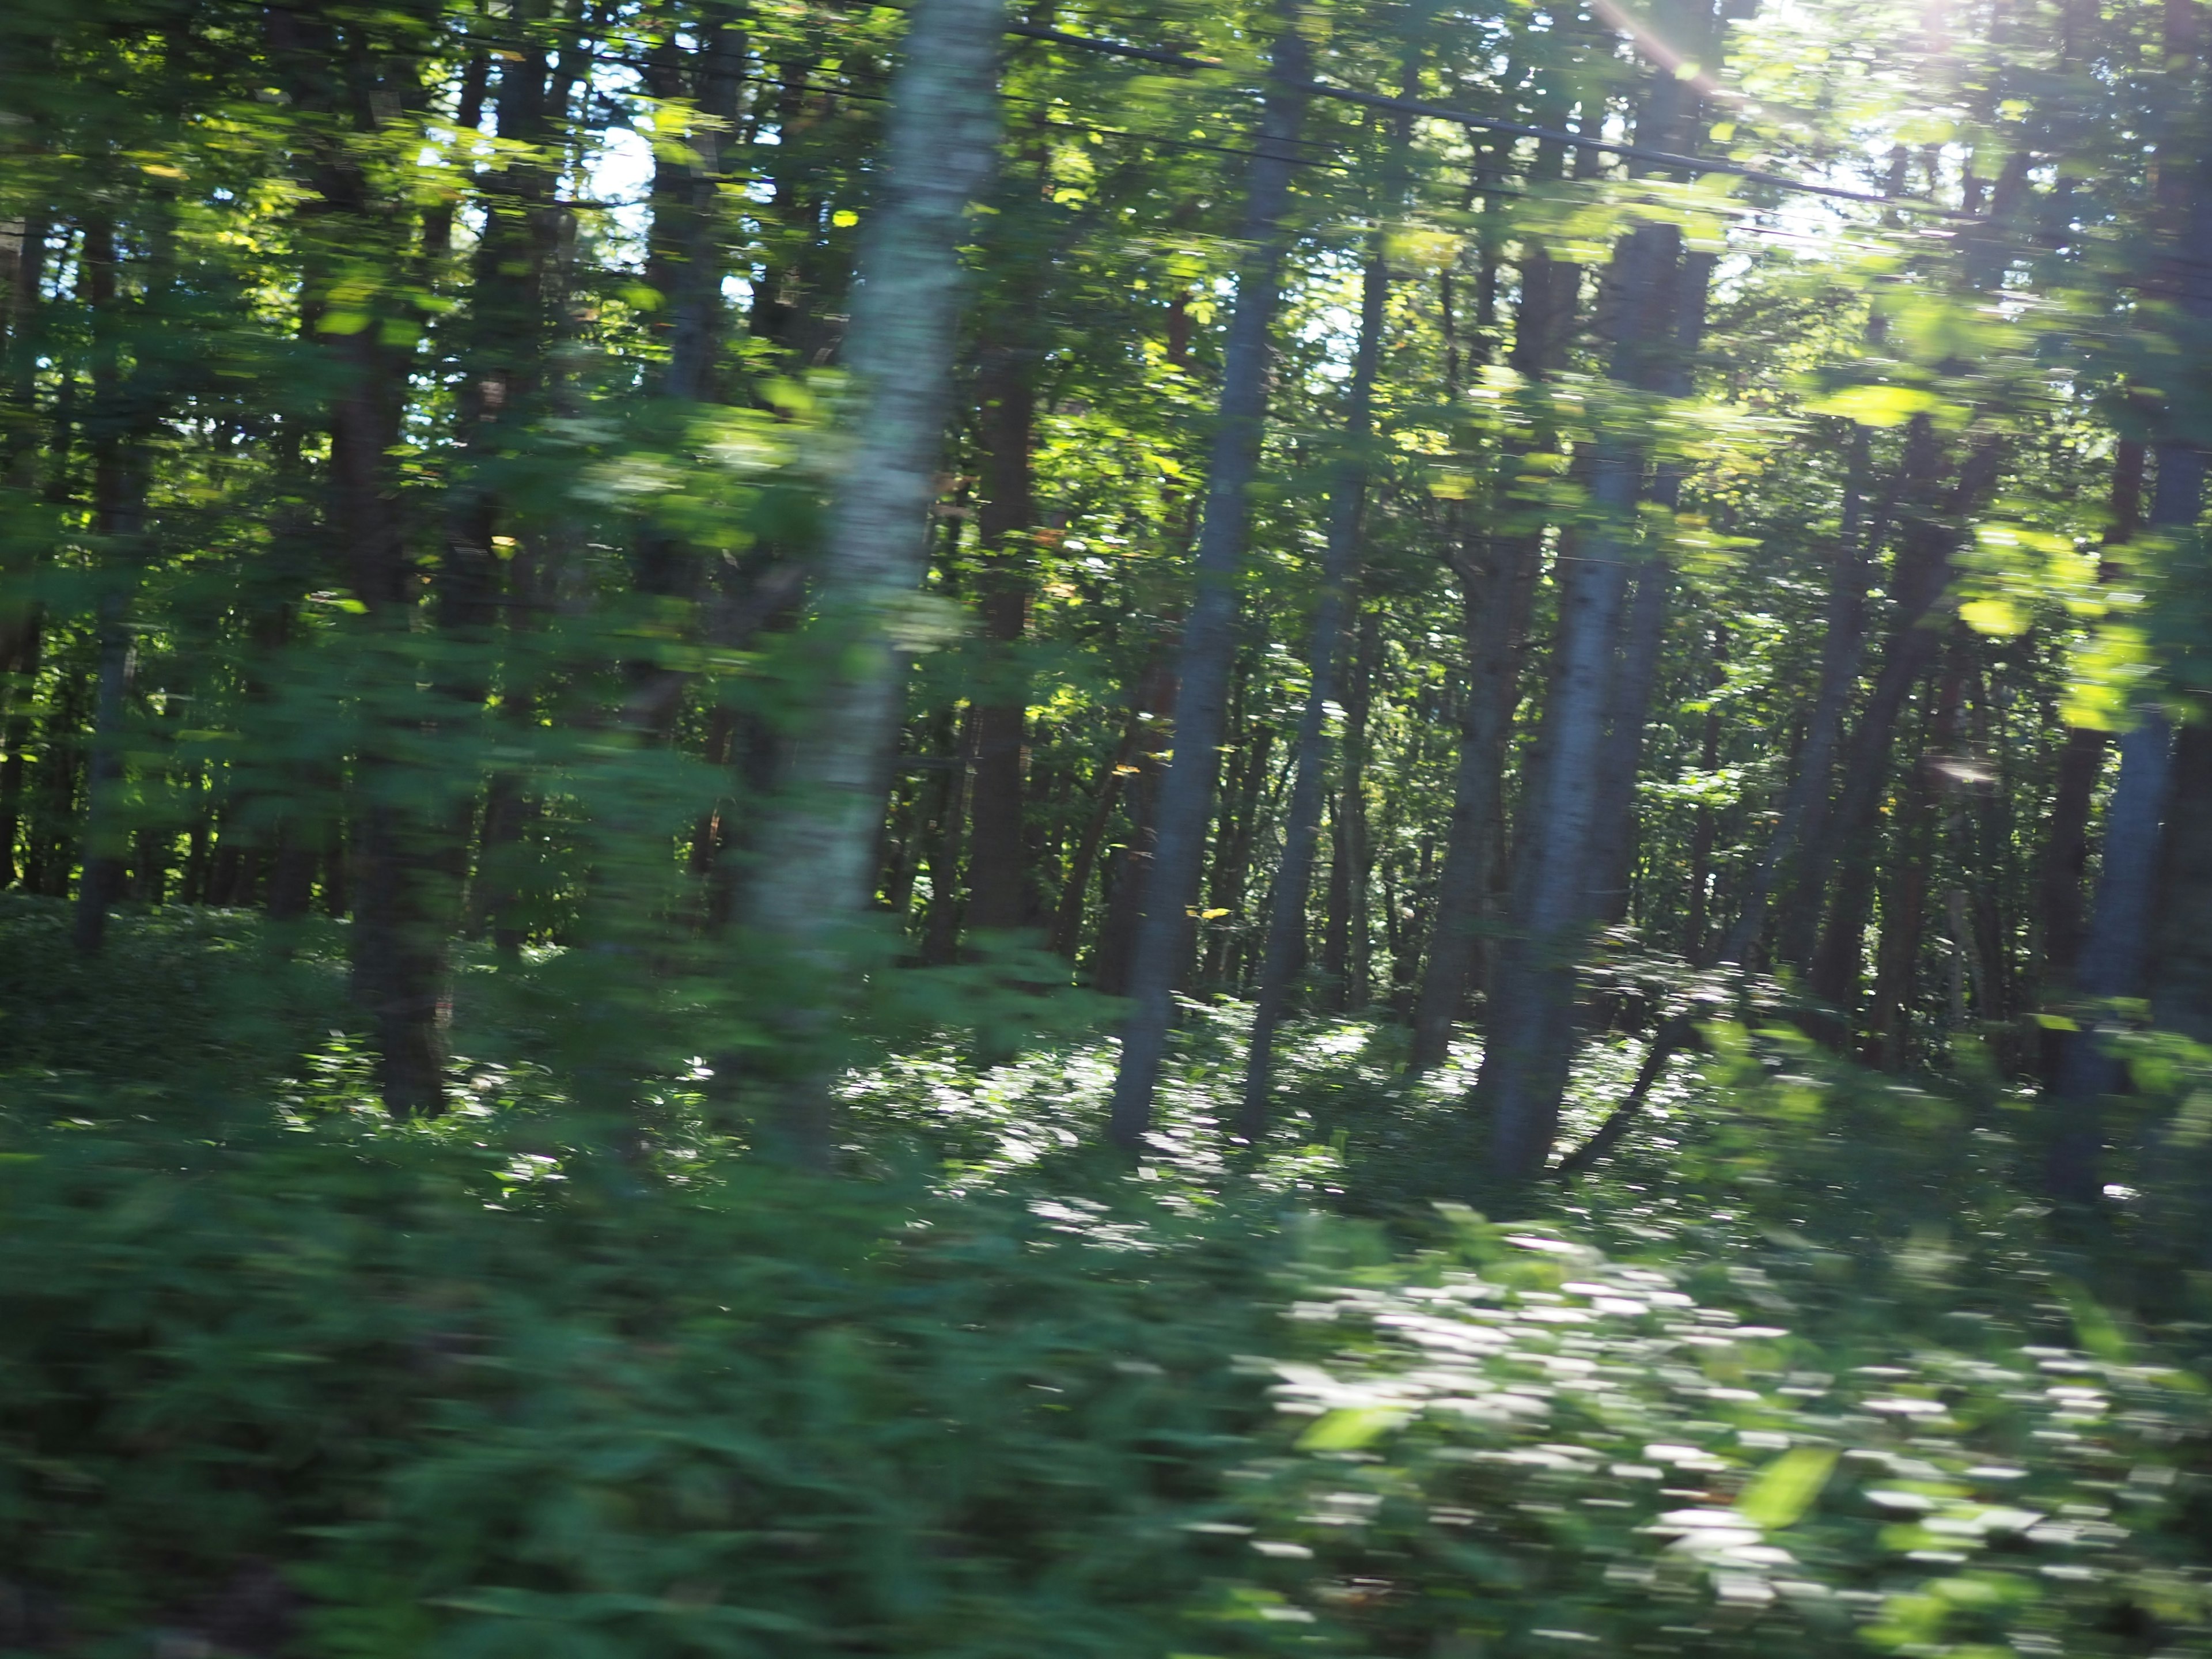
x=2114 y=959
x=1524 y=1069
x=814 y=862
x=121 y=476
x=1344 y=919
x=2065 y=859
x=1635 y=680
x=1637 y=677
x=24 y=670
x=1497 y=584
x=1338 y=577
x=1923 y=571
x=941 y=939
x=2181 y=974
x=1209 y=629
x=397 y=939
x=1075 y=890
x=1705 y=827
x=1905 y=904
x=1001 y=893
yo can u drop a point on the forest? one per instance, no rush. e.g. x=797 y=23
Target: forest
x=1372 y=829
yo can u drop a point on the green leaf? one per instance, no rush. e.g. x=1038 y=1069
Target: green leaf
x=1785 y=1488
x=2096 y=1330
x=1349 y=1427
x=2000 y=619
x=1876 y=405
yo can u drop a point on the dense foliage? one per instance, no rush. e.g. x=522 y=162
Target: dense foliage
x=801 y=806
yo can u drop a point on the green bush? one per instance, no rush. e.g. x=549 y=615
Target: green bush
x=470 y=1408
x=1515 y=1447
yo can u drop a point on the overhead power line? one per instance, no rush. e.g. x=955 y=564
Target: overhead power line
x=1659 y=158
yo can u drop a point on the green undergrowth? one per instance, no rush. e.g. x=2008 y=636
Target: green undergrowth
x=1802 y=1371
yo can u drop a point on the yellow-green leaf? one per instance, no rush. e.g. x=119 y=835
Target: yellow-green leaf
x=1785 y=1488
x=1876 y=405
x=1349 y=1427
x=2000 y=619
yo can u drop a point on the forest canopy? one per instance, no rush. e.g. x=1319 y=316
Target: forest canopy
x=1017 y=690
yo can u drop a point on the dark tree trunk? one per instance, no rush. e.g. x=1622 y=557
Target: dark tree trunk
x=1209 y=629
x=1497 y=583
x=1344 y=930
x=2181 y=972
x=1525 y=1064
x=1001 y=893
x=1129 y=870
x=2115 y=951
x=24 y=670
x=941 y=939
x=1922 y=570
x=1075 y=889
x=399 y=937
x=121 y=476
x=2065 y=861
x=1636 y=677
x=1910 y=845
x=1338 y=579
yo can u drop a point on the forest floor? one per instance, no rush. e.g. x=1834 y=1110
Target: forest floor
x=1803 y=1369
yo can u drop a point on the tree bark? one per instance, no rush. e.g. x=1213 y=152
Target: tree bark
x=1704 y=827
x=1344 y=929
x=1338 y=579
x=121 y=477
x=1001 y=889
x=24 y=673
x=1530 y=1024
x=1923 y=571
x=2065 y=859
x=398 y=939
x=815 y=858
x=1498 y=583
x=1067 y=917
x=1209 y=628
x=1904 y=902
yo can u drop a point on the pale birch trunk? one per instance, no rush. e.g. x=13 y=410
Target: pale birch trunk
x=815 y=860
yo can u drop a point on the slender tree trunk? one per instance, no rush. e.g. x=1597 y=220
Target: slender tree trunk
x=1075 y=891
x=17 y=737
x=1497 y=583
x=398 y=939
x=1001 y=895
x=1795 y=853
x=1635 y=680
x=1344 y=918
x=1339 y=577
x=815 y=863
x=1637 y=677
x=1524 y=1069
x=1705 y=827
x=1910 y=845
x=1209 y=629
x=2115 y=952
x=941 y=942
x=1130 y=868
x=1924 y=565
x=2111 y=963
x=120 y=478
x=2181 y=973
x=2065 y=859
